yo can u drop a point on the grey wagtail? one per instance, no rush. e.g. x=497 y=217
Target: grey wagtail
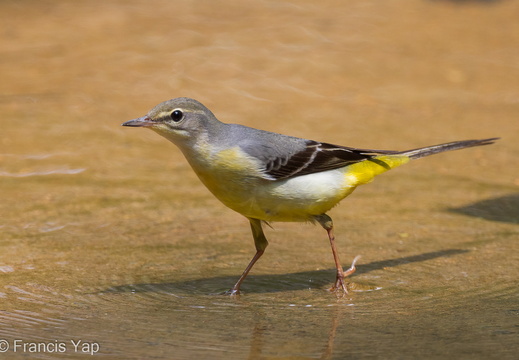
x=267 y=176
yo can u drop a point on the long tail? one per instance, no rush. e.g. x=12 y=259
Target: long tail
x=456 y=145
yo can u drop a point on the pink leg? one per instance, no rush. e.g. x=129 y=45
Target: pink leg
x=340 y=286
x=261 y=243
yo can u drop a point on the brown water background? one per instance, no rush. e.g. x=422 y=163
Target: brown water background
x=108 y=237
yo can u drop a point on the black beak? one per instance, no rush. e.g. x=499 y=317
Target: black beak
x=142 y=121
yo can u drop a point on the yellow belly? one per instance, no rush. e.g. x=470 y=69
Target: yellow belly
x=235 y=180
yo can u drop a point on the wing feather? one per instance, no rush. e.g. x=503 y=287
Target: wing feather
x=318 y=157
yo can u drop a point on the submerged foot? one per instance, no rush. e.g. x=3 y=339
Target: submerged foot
x=339 y=288
x=232 y=292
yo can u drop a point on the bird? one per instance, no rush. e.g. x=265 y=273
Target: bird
x=269 y=177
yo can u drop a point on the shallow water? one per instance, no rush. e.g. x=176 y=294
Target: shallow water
x=108 y=238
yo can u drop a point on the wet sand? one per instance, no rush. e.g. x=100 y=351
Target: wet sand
x=108 y=237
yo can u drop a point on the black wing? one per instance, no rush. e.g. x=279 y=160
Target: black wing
x=317 y=157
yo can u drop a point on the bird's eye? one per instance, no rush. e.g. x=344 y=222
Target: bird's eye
x=177 y=115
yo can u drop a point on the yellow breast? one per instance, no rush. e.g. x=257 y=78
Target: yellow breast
x=236 y=179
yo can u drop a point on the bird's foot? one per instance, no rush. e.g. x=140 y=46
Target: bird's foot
x=232 y=292
x=339 y=288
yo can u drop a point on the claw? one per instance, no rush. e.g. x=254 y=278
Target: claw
x=339 y=288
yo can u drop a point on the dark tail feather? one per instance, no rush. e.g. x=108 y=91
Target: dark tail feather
x=431 y=150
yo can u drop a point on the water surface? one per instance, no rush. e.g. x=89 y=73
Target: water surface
x=108 y=238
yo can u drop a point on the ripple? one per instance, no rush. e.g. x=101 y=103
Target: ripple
x=6 y=269
x=59 y=171
x=17 y=165
x=198 y=324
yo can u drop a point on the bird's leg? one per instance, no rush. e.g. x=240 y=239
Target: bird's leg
x=339 y=286
x=261 y=243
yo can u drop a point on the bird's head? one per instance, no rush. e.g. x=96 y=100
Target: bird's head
x=179 y=120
